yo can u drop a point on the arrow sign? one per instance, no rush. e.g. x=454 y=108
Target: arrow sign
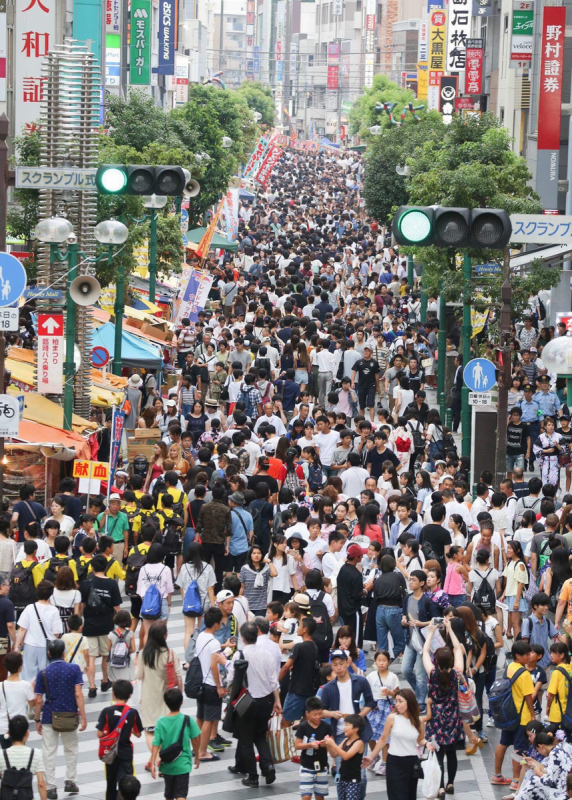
x=50 y=324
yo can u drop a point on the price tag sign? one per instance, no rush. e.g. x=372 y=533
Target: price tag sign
x=9 y=319
x=480 y=399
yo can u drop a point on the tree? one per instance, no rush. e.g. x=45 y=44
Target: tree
x=259 y=98
x=364 y=113
x=23 y=214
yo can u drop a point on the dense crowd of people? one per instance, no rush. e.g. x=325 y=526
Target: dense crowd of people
x=347 y=602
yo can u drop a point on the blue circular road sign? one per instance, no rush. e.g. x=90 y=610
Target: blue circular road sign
x=480 y=375
x=12 y=280
x=99 y=356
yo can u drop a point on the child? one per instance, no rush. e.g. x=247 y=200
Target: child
x=326 y=675
x=121 y=645
x=532 y=729
x=18 y=755
x=274 y=611
x=77 y=648
x=108 y=720
x=384 y=684
x=350 y=751
x=86 y=528
x=345 y=640
x=168 y=732
x=16 y=696
x=557 y=695
x=537 y=674
x=309 y=740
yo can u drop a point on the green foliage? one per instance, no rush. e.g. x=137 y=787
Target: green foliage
x=364 y=114
x=22 y=215
x=259 y=98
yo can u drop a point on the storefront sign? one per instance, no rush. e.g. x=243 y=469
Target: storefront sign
x=437 y=45
x=522 y=33
x=34 y=37
x=140 y=56
x=50 y=353
x=167 y=36
x=474 y=67
x=458 y=32
x=550 y=104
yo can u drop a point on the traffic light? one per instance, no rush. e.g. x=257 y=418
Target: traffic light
x=140 y=180
x=478 y=228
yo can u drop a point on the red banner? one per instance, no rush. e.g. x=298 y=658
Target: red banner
x=464 y=103
x=474 y=66
x=333 y=73
x=268 y=164
x=551 y=69
x=205 y=243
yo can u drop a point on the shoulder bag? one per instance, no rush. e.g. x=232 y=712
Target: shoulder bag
x=62 y=721
x=174 y=751
x=171 y=675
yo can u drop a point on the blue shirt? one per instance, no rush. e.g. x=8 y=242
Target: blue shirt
x=62 y=680
x=238 y=538
x=548 y=403
x=530 y=409
x=360 y=688
x=414 y=529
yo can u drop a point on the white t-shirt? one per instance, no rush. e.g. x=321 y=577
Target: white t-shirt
x=16 y=695
x=327 y=443
x=346 y=703
x=330 y=564
x=281 y=583
x=43 y=553
x=477 y=576
x=66 y=524
x=51 y=621
x=310 y=558
x=353 y=481
x=65 y=599
x=205 y=647
x=377 y=683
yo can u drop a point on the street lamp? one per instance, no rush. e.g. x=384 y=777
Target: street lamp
x=54 y=230
x=226 y=142
x=557 y=357
x=375 y=130
x=402 y=170
x=257 y=116
x=112 y=232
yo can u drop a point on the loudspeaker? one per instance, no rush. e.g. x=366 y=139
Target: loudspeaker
x=192 y=188
x=85 y=290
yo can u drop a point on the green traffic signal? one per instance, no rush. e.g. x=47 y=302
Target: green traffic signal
x=458 y=228
x=140 y=180
x=415 y=225
x=111 y=179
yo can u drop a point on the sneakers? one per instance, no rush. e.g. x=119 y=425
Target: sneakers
x=105 y=686
x=52 y=794
x=71 y=788
x=214 y=746
x=381 y=769
x=223 y=742
x=92 y=692
x=491 y=723
x=252 y=784
x=500 y=780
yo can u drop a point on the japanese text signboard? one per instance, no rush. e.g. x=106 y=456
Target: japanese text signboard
x=167 y=36
x=9 y=415
x=540 y=229
x=56 y=178
x=522 y=31
x=423 y=41
x=458 y=32
x=474 y=67
x=370 y=42
x=140 y=56
x=34 y=37
x=437 y=47
x=50 y=353
x=549 y=104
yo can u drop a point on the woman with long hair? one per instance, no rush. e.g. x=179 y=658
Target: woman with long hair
x=254 y=578
x=516 y=580
x=282 y=570
x=302 y=363
x=352 y=515
x=160 y=454
x=153 y=672
x=194 y=568
x=424 y=488
x=346 y=640
x=434 y=436
x=66 y=597
x=197 y=421
x=368 y=525
x=389 y=480
x=475 y=662
x=404 y=732
x=557 y=571
x=458 y=528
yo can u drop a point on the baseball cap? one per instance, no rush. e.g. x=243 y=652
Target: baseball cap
x=354 y=551
x=339 y=654
x=224 y=594
x=171 y=403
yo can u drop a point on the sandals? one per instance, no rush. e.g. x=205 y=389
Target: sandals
x=500 y=780
x=450 y=789
x=441 y=793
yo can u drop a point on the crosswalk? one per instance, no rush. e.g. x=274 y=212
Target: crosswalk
x=214 y=778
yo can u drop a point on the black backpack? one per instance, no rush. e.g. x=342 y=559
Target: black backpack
x=323 y=636
x=17 y=783
x=22 y=589
x=133 y=566
x=54 y=565
x=449 y=443
x=428 y=552
x=82 y=569
x=485 y=595
x=159 y=488
x=491 y=657
x=418 y=438
x=171 y=534
x=194 y=680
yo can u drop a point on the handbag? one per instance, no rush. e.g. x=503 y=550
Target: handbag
x=109 y=743
x=281 y=741
x=174 y=751
x=171 y=675
x=466 y=700
x=62 y=721
x=243 y=702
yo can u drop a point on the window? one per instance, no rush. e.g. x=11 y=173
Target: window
x=501 y=115
x=506 y=23
x=310 y=60
x=378 y=14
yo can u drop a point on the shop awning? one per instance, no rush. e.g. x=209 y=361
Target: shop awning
x=38 y=408
x=141 y=304
x=103 y=317
x=51 y=439
x=134 y=351
x=217 y=240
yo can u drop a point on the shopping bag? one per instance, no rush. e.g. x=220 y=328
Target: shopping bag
x=432 y=776
x=281 y=740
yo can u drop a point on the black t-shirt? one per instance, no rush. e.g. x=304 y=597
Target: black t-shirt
x=254 y=480
x=366 y=371
x=73 y=506
x=516 y=436
x=107 y=722
x=6 y=616
x=521 y=489
x=378 y=459
x=305 y=731
x=194 y=471
x=350 y=590
x=98 y=621
x=437 y=536
x=305 y=655
x=390 y=589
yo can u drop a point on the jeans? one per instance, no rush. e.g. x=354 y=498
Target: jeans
x=457 y=600
x=388 y=619
x=513 y=462
x=339 y=738
x=188 y=539
x=324 y=386
x=435 y=452
x=414 y=673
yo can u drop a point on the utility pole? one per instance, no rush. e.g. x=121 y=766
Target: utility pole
x=6 y=180
x=118 y=312
x=152 y=256
x=505 y=374
x=467 y=330
x=410 y=272
x=423 y=309
x=69 y=363
x=442 y=353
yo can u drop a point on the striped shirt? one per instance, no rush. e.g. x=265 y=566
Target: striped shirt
x=19 y=757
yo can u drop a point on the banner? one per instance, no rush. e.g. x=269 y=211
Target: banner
x=194 y=296
x=458 y=32
x=34 y=36
x=423 y=41
x=550 y=104
x=437 y=45
x=522 y=34
x=231 y=214
x=268 y=164
x=140 y=56
x=205 y=243
x=167 y=34
x=423 y=75
x=254 y=159
x=333 y=77
x=370 y=42
x=117 y=425
x=474 y=77
x=447 y=96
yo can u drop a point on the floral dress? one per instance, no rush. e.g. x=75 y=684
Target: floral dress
x=384 y=705
x=445 y=723
x=552 y=785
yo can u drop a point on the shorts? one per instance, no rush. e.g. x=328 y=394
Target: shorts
x=366 y=397
x=209 y=707
x=176 y=786
x=513 y=462
x=98 y=645
x=294 y=707
x=313 y=783
x=349 y=790
x=517 y=738
x=522 y=607
x=136 y=603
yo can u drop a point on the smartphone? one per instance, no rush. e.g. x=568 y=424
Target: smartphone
x=437 y=621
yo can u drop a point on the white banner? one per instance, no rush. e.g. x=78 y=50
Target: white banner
x=458 y=31
x=50 y=364
x=194 y=295
x=34 y=37
x=230 y=211
x=541 y=229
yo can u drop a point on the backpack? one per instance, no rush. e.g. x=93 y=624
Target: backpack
x=264 y=363
x=178 y=505
x=566 y=712
x=418 y=438
x=315 y=478
x=119 y=656
x=449 y=442
x=194 y=679
x=152 y=601
x=245 y=396
x=135 y=561
x=159 y=488
x=266 y=393
x=109 y=742
x=171 y=539
x=22 y=589
x=485 y=595
x=292 y=481
x=491 y=658
x=192 y=603
x=53 y=566
x=501 y=702
x=544 y=558
x=17 y=783
x=402 y=445
x=323 y=636
x=82 y=568
x=428 y=552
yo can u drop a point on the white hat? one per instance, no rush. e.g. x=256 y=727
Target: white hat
x=135 y=381
x=171 y=403
x=224 y=594
x=114 y=497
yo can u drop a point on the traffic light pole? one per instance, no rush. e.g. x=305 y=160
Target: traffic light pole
x=118 y=310
x=467 y=330
x=442 y=353
x=69 y=363
x=153 y=256
x=423 y=309
x=410 y=271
